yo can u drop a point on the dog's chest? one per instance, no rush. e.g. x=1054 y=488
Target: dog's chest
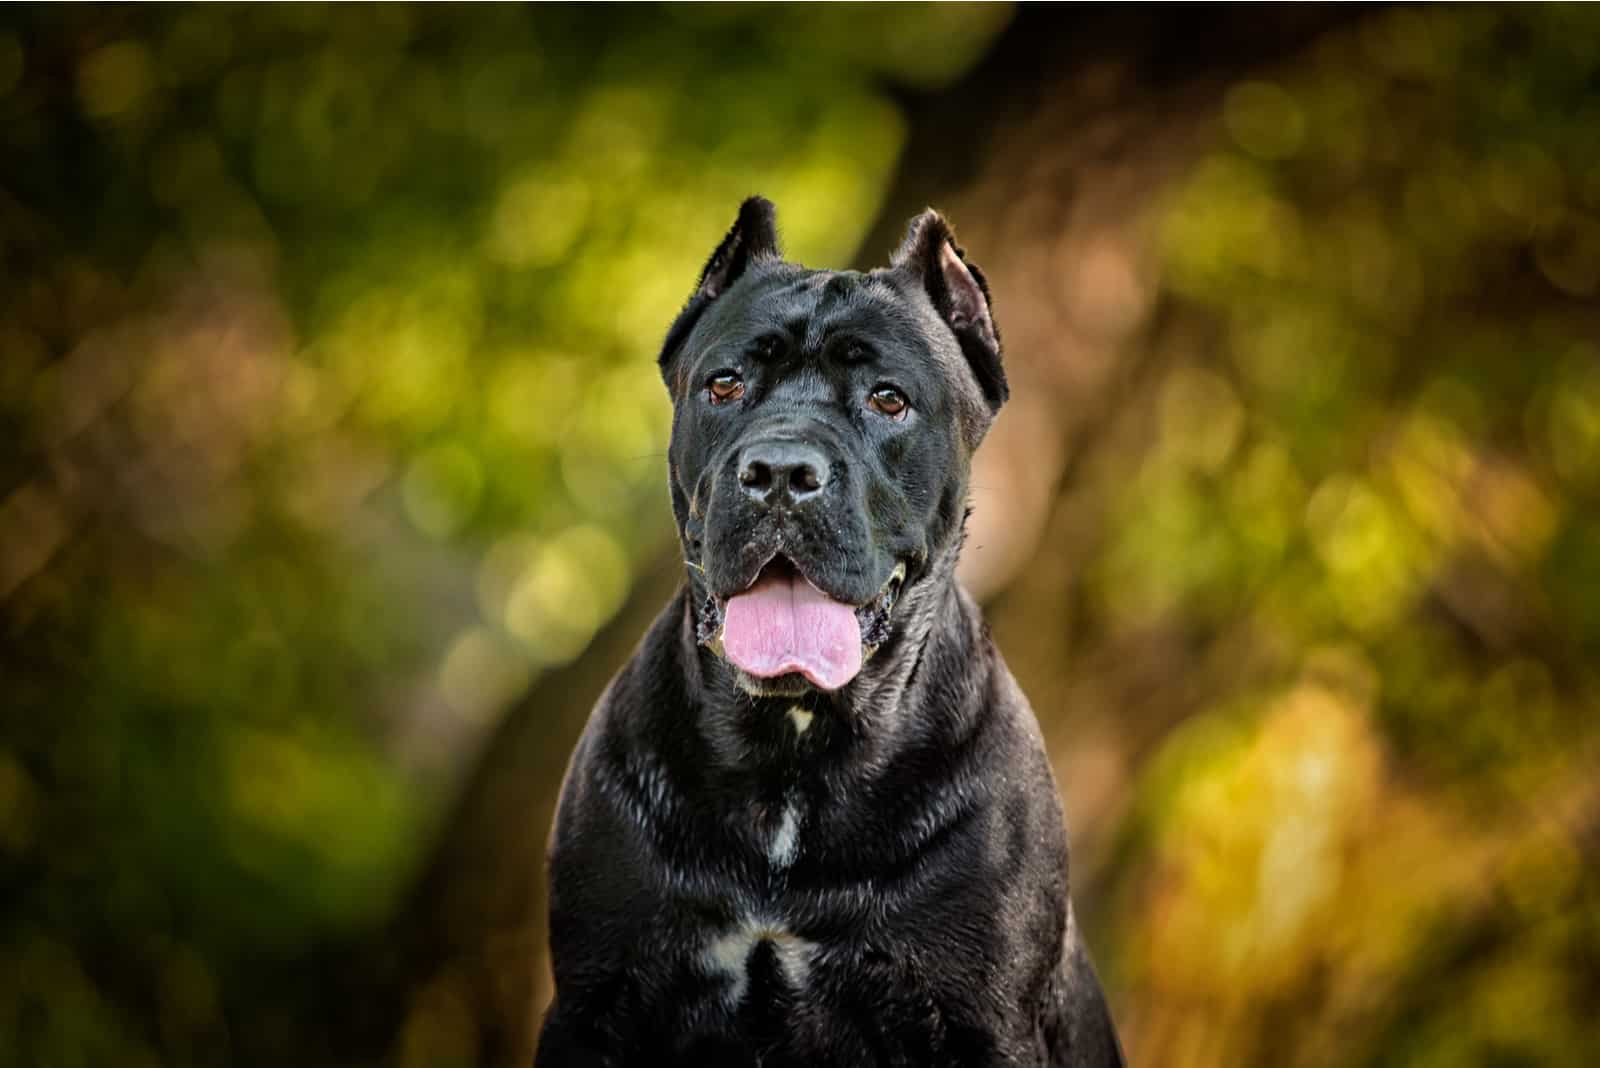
x=756 y=957
x=759 y=948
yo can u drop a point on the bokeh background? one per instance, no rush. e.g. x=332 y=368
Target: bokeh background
x=332 y=468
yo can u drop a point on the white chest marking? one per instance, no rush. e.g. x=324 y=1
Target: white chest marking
x=785 y=845
x=729 y=954
x=800 y=718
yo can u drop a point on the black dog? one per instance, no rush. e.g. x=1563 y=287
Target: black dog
x=811 y=822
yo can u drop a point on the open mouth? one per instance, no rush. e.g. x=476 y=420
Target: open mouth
x=783 y=628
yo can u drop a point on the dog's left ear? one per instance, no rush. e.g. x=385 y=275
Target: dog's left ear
x=960 y=295
x=753 y=236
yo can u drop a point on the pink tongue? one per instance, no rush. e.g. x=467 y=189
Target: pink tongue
x=784 y=624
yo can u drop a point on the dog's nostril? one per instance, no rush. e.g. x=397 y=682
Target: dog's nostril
x=803 y=479
x=782 y=473
x=756 y=475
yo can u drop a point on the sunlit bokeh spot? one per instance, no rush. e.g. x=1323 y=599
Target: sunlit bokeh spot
x=333 y=488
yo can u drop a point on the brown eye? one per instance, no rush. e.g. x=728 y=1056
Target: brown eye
x=889 y=401
x=725 y=386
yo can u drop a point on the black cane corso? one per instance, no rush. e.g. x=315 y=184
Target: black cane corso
x=811 y=822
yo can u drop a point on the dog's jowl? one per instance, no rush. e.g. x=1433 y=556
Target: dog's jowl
x=812 y=822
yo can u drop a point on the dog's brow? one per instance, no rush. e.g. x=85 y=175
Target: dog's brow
x=834 y=310
x=716 y=341
x=840 y=286
x=859 y=317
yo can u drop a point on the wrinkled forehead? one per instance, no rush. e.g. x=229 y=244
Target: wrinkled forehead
x=811 y=307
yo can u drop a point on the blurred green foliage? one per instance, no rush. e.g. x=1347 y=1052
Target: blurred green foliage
x=330 y=419
x=1377 y=492
x=330 y=422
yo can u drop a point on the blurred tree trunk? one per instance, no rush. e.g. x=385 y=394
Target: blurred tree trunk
x=1046 y=156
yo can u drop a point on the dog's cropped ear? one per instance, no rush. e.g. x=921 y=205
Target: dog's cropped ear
x=754 y=235
x=960 y=295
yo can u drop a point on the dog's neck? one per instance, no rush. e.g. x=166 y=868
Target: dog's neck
x=903 y=693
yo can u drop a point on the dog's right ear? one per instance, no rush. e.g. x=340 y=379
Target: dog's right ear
x=754 y=235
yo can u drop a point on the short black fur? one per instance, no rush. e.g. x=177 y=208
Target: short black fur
x=753 y=870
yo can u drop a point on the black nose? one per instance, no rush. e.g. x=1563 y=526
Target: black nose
x=770 y=471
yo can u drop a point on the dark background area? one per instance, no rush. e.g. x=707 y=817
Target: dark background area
x=332 y=467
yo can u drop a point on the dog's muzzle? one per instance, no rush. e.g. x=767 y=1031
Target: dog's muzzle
x=783 y=628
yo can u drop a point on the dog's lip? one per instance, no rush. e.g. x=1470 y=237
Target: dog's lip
x=778 y=560
x=873 y=614
x=889 y=592
x=873 y=617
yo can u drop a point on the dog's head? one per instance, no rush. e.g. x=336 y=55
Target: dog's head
x=823 y=426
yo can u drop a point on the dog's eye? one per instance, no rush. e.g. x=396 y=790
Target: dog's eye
x=888 y=401
x=769 y=348
x=725 y=386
